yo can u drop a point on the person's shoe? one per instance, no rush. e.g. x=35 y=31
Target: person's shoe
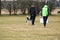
x=33 y=24
x=44 y=26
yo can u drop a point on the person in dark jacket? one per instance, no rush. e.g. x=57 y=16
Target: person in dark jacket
x=32 y=14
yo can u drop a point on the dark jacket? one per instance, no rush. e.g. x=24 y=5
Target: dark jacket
x=32 y=11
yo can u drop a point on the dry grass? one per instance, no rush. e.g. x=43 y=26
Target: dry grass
x=15 y=28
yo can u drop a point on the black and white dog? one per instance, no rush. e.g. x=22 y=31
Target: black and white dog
x=27 y=20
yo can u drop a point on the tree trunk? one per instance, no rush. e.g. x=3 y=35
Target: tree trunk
x=15 y=12
x=0 y=7
x=23 y=12
x=9 y=12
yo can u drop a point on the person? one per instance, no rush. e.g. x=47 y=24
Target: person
x=32 y=12
x=45 y=14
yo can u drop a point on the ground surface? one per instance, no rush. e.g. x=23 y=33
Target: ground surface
x=15 y=28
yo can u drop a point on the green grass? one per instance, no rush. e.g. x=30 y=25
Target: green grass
x=15 y=28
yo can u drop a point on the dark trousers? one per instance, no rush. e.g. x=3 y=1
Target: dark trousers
x=45 y=20
x=30 y=17
x=33 y=19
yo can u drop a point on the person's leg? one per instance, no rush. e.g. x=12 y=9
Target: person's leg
x=30 y=17
x=33 y=20
x=46 y=18
x=44 y=21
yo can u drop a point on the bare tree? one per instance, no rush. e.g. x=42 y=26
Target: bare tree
x=4 y=4
x=9 y=8
x=22 y=5
x=51 y=5
x=14 y=7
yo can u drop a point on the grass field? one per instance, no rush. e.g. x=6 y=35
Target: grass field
x=15 y=28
